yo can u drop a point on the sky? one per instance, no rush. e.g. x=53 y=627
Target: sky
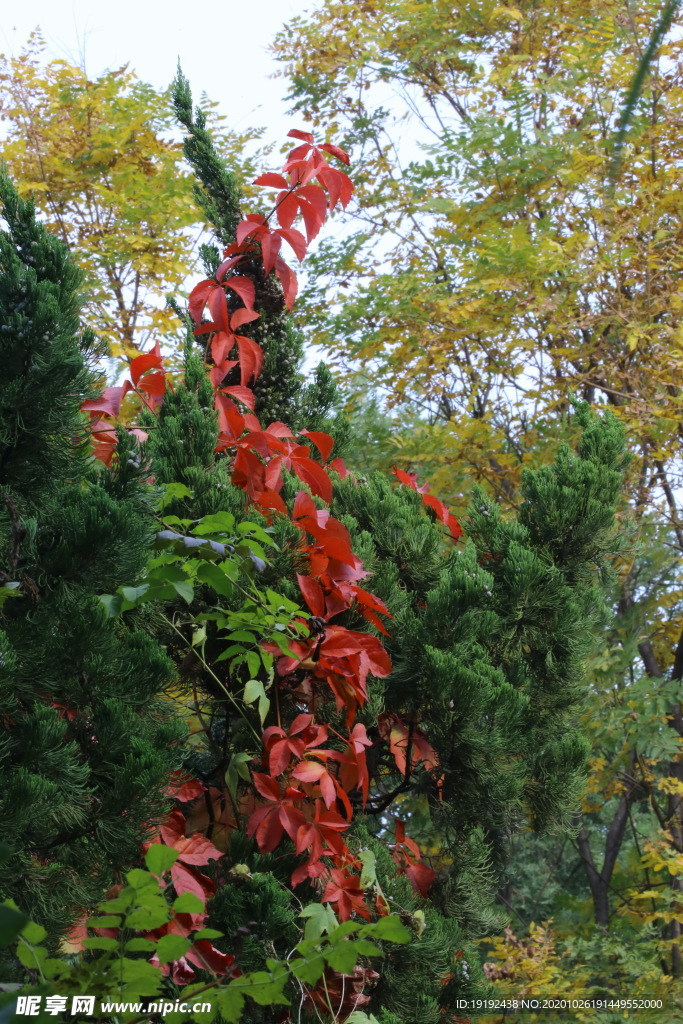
x=223 y=47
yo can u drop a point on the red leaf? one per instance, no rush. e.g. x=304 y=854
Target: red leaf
x=271 y=499
x=272 y=180
x=205 y=956
x=153 y=383
x=262 y=442
x=296 y=133
x=271 y=243
x=274 y=473
x=323 y=442
x=287 y=280
x=341 y=154
x=251 y=226
x=313 y=474
x=187 y=879
x=185 y=791
x=339 y=466
x=421 y=877
x=221 y=343
x=242 y=316
x=218 y=373
x=291 y=818
x=147 y=361
x=313 y=594
x=218 y=307
x=244 y=287
x=251 y=359
x=286 y=210
x=109 y=402
x=279 y=429
x=409 y=479
x=198 y=298
x=242 y=394
x=313 y=219
x=338 y=184
x=279 y=757
x=249 y=473
x=454 y=527
x=296 y=240
x=227 y=265
x=268 y=787
x=372 y=617
x=265 y=824
x=437 y=506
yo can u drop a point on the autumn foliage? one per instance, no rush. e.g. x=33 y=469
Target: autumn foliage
x=310 y=777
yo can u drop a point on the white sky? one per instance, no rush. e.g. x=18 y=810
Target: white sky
x=223 y=47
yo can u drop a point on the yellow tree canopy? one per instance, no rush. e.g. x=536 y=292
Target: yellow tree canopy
x=494 y=268
x=102 y=158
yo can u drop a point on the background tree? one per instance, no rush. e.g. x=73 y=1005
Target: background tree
x=513 y=271
x=99 y=157
x=87 y=742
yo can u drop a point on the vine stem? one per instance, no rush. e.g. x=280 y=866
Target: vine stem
x=220 y=682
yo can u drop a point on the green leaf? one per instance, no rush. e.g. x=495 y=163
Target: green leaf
x=184 y=589
x=143 y=977
x=230 y=1001
x=104 y=921
x=252 y=690
x=263 y=708
x=31 y=956
x=140 y=946
x=308 y=969
x=134 y=594
x=112 y=602
x=160 y=858
x=188 y=903
x=147 y=918
x=368 y=875
x=215 y=576
x=237 y=769
x=220 y=522
x=389 y=928
x=33 y=933
x=172 y=947
x=266 y=990
x=12 y=922
x=343 y=930
x=243 y=636
x=208 y=933
x=253 y=662
x=172 y=492
x=139 y=879
x=100 y=942
x=367 y=948
x=321 y=920
x=343 y=958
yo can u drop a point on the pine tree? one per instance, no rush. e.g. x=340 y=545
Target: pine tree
x=87 y=743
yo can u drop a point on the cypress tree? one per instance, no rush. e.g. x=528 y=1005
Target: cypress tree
x=86 y=742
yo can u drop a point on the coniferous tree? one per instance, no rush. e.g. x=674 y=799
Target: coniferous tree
x=487 y=642
x=86 y=744
x=281 y=392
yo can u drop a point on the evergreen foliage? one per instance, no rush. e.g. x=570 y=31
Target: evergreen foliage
x=87 y=744
x=487 y=643
x=281 y=393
